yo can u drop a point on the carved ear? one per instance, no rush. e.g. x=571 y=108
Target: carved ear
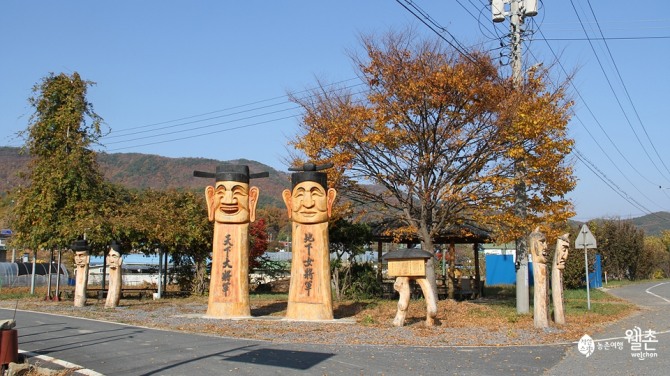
x=211 y=203
x=287 y=196
x=537 y=229
x=253 y=200
x=331 y=199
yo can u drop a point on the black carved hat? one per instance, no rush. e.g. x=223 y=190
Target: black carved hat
x=310 y=172
x=231 y=172
x=115 y=246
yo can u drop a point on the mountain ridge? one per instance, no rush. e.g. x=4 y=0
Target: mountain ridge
x=141 y=171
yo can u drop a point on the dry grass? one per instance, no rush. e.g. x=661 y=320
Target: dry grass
x=490 y=321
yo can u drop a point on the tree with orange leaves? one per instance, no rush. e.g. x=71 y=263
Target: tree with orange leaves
x=432 y=140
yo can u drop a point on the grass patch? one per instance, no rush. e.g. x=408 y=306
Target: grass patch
x=576 y=303
x=500 y=291
x=580 y=294
x=268 y=296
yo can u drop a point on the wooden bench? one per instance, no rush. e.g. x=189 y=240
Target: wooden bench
x=140 y=292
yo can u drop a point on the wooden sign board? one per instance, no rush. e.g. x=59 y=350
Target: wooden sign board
x=407 y=268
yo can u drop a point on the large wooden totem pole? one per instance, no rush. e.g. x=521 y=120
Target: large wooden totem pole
x=81 y=263
x=309 y=204
x=538 y=248
x=231 y=204
x=560 y=257
x=115 y=267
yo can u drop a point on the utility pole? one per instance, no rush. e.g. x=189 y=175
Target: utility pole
x=518 y=11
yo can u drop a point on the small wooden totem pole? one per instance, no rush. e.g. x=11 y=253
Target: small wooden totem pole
x=560 y=256
x=114 y=265
x=309 y=206
x=538 y=248
x=81 y=263
x=407 y=264
x=231 y=204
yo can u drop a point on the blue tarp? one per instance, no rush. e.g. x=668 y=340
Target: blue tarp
x=135 y=258
x=500 y=270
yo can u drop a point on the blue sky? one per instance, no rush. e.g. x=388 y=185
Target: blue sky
x=209 y=78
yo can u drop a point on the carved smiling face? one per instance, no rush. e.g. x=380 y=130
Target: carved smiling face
x=308 y=202
x=231 y=202
x=114 y=259
x=81 y=259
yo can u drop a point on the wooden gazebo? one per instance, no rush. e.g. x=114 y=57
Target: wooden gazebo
x=382 y=232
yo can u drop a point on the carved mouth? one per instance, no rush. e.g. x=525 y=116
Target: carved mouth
x=229 y=209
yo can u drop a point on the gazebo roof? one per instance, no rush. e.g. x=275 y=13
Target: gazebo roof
x=460 y=234
x=407 y=253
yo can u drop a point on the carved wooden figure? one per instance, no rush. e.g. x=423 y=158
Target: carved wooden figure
x=560 y=256
x=81 y=261
x=231 y=204
x=114 y=265
x=309 y=206
x=405 y=265
x=538 y=248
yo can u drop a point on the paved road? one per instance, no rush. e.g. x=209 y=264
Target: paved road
x=114 y=349
x=654 y=299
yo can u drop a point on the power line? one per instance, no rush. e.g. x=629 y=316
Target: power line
x=282 y=97
x=168 y=129
x=637 y=137
x=601 y=175
x=432 y=25
x=625 y=88
x=585 y=103
x=205 y=134
x=606 y=38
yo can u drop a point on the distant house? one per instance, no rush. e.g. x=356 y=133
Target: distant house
x=4 y=235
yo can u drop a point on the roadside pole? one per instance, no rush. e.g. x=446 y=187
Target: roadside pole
x=587 y=240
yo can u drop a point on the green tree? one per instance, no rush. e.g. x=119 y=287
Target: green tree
x=654 y=259
x=175 y=221
x=66 y=190
x=346 y=238
x=621 y=244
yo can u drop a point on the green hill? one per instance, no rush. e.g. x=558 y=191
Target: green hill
x=653 y=223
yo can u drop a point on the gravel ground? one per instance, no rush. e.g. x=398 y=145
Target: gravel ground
x=458 y=323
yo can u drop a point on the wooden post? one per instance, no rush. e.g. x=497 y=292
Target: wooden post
x=477 y=286
x=451 y=288
x=401 y=285
x=538 y=247
x=81 y=261
x=560 y=257
x=115 y=264
x=309 y=205
x=231 y=204
x=229 y=282
x=380 y=265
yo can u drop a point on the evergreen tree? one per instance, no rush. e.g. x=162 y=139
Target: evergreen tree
x=65 y=190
